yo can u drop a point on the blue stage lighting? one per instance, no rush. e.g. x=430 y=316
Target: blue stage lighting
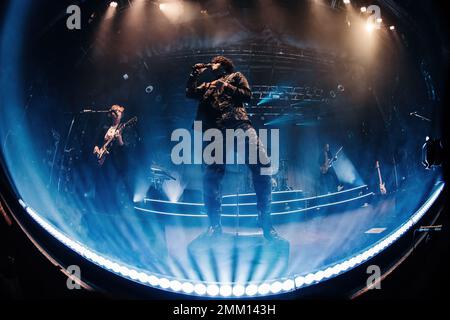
x=237 y=290
x=309 y=279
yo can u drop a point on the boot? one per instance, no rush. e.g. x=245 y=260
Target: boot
x=213 y=231
x=215 y=226
x=265 y=222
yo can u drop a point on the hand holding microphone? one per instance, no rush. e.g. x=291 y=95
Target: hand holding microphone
x=201 y=67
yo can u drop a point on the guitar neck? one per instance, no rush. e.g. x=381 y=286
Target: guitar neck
x=379 y=175
x=120 y=129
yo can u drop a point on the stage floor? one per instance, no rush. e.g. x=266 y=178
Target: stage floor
x=175 y=248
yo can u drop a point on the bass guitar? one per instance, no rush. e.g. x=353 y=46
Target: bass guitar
x=380 y=180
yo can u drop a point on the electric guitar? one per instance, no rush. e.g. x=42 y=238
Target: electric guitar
x=102 y=153
x=329 y=163
x=382 y=184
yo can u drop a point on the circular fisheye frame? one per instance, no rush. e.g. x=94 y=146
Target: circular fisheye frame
x=222 y=149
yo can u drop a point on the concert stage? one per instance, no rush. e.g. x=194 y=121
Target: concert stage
x=169 y=252
x=112 y=134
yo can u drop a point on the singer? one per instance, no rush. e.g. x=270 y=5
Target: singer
x=221 y=106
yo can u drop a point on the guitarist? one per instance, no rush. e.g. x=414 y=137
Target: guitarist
x=329 y=181
x=112 y=185
x=116 y=114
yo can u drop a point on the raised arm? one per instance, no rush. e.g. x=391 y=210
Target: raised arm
x=193 y=89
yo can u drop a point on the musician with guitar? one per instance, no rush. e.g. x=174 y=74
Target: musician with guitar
x=111 y=158
x=329 y=181
x=381 y=184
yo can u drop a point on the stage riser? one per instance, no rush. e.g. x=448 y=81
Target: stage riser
x=247 y=204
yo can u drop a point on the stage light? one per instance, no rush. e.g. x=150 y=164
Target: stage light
x=288 y=285
x=113 y=4
x=226 y=291
x=175 y=285
x=335 y=270
x=187 y=287
x=346 y=1
x=309 y=279
x=264 y=289
x=276 y=287
x=359 y=259
x=238 y=291
x=123 y=270
x=369 y=27
x=212 y=290
x=154 y=281
x=173 y=189
x=134 y=275
x=138 y=197
x=353 y=262
x=251 y=290
x=392 y=28
x=164 y=283
x=115 y=267
x=200 y=289
x=363 y=9
x=172 y=10
x=299 y=281
x=143 y=278
x=328 y=273
x=379 y=20
x=319 y=276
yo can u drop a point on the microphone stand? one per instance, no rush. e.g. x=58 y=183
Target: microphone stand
x=395 y=173
x=415 y=114
x=69 y=133
x=237 y=200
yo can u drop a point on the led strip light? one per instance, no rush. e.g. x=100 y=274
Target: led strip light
x=203 y=215
x=235 y=290
x=254 y=194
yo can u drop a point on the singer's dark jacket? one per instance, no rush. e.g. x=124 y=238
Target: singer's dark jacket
x=221 y=109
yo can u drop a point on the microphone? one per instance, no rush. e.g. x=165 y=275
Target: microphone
x=413 y=113
x=202 y=65
x=95 y=111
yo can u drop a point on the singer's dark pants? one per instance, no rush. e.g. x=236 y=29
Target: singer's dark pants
x=213 y=175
